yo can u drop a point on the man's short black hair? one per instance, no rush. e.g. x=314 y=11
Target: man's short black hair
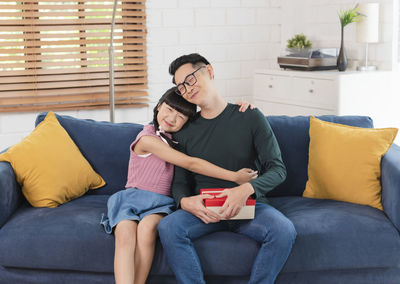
x=193 y=58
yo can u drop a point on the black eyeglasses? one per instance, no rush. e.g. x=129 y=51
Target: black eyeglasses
x=190 y=80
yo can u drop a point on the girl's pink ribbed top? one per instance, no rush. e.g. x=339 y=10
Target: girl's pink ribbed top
x=149 y=172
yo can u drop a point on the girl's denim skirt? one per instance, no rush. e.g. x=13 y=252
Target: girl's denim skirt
x=134 y=204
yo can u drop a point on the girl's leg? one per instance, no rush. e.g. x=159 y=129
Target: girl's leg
x=125 y=244
x=146 y=241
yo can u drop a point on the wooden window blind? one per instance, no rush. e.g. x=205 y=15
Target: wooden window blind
x=54 y=55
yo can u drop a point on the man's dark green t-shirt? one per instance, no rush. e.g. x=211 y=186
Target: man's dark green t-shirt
x=233 y=140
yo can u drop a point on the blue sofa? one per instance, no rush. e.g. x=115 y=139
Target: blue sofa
x=337 y=242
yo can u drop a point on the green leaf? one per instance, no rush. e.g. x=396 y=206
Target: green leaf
x=349 y=16
x=298 y=41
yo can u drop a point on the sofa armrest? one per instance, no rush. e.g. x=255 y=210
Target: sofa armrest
x=10 y=193
x=391 y=185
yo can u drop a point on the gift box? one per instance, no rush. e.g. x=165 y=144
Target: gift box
x=215 y=204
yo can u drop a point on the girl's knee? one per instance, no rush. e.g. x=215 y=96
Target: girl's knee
x=125 y=232
x=148 y=226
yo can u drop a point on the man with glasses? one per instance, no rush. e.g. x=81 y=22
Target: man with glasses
x=233 y=140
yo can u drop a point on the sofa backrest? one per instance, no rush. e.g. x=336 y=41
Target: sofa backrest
x=105 y=145
x=293 y=138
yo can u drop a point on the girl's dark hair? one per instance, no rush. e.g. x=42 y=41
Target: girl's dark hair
x=194 y=58
x=178 y=103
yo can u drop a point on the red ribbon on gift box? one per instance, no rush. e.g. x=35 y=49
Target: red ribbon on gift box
x=221 y=200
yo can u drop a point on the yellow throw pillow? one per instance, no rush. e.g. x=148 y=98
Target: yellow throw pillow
x=345 y=162
x=49 y=166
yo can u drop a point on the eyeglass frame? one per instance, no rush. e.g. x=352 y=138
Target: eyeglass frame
x=187 y=83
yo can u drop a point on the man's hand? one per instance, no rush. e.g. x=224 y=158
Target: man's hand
x=236 y=199
x=194 y=204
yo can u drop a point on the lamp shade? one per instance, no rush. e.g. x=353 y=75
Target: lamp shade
x=368 y=26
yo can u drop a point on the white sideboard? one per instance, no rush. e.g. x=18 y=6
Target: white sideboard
x=375 y=94
x=281 y=92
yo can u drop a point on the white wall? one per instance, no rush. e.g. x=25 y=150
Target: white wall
x=396 y=34
x=318 y=20
x=236 y=36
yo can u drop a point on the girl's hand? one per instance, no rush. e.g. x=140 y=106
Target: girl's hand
x=245 y=175
x=244 y=106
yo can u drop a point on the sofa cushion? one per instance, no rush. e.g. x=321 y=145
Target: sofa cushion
x=70 y=237
x=345 y=162
x=330 y=235
x=105 y=145
x=49 y=166
x=293 y=139
x=334 y=235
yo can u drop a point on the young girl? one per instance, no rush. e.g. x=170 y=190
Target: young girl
x=134 y=213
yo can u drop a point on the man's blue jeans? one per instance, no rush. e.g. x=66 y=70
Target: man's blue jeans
x=270 y=228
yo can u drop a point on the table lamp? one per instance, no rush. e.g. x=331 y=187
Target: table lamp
x=368 y=29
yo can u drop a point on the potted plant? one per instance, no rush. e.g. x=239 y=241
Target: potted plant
x=298 y=45
x=346 y=17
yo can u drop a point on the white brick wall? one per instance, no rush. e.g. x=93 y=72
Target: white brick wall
x=397 y=34
x=233 y=35
x=318 y=20
x=207 y=17
x=236 y=36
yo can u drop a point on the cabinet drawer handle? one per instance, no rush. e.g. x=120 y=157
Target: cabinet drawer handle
x=311 y=91
x=270 y=86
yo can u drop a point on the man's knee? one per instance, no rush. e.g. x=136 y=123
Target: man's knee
x=285 y=233
x=279 y=227
x=169 y=225
x=290 y=231
x=163 y=226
